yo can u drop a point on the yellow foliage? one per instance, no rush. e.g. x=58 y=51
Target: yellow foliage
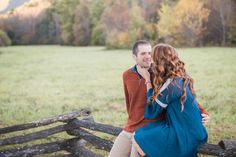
x=192 y=14
x=118 y=40
x=137 y=17
x=183 y=24
x=165 y=23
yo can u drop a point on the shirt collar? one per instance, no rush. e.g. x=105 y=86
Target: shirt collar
x=134 y=69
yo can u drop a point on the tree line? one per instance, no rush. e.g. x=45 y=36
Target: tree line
x=118 y=23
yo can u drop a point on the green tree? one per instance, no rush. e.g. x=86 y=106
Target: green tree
x=137 y=25
x=66 y=10
x=98 y=34
x=98 y=30
x=47 y=28
x=164 y=26
x=82 y=25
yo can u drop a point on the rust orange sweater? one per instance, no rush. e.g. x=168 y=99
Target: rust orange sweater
x=135 y=96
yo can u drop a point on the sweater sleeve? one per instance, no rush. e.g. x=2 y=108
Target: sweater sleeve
x=202 y=110
x=126 y=93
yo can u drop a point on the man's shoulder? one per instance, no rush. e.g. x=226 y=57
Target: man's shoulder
x=127 y=73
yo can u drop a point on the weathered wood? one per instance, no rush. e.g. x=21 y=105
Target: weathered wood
x=60 y=118
x=83 y=152
x=38 y=149
x=210 y=149
x=228 y=153
x=92 y=139
x=109 y=129
x=225 y=148
x=77 y=148
x=33 y=136
x=228 y=144
x=63 y=155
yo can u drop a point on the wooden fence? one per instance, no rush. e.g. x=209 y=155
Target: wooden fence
x=82 y=128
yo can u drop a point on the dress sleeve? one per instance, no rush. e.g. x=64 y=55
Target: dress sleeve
x=152 y=110
x=170 y=92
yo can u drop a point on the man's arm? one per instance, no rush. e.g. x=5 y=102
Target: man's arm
x=202 y=110
x=126 y=93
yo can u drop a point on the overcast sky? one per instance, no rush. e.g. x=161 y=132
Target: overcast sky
x=11 y=4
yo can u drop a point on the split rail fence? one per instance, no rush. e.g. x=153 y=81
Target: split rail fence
x=82 y=128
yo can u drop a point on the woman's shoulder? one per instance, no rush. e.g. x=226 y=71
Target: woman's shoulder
x=178 y=79
x=177 y=82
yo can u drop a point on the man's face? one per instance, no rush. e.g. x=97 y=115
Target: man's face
x=143 y=57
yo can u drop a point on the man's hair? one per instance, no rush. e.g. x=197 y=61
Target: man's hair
x=137 y=43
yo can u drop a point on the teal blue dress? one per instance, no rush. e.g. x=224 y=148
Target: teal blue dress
x=181 y=133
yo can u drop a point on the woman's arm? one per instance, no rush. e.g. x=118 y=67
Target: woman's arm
x=154 y=109
x=169 y=92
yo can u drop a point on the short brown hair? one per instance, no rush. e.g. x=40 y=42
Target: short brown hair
x=137 y=43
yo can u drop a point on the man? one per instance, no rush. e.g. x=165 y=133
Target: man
x=135 y=96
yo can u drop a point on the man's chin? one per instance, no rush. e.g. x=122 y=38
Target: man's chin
x=146 y=66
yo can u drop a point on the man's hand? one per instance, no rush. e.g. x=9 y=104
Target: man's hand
x=205 y=119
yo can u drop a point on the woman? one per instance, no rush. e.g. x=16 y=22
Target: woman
x=182 y=131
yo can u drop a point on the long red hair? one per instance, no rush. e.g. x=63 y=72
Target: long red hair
x=167 y=65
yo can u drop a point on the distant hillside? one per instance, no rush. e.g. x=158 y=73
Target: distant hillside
x=23 y=8
x=12 y=4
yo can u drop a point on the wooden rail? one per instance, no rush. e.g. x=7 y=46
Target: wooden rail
x=80 y=129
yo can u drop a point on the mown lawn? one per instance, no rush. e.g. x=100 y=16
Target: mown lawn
x=41 y=81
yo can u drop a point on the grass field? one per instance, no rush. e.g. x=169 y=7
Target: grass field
x=41 y=81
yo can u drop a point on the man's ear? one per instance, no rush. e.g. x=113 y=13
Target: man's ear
x=134 y=57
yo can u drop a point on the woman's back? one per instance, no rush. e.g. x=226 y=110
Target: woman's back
x=181 y=133
x=186 y=124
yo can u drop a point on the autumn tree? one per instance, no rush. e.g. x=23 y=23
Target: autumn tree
x=4 y=39
x=82 y=24
x=221 y=26
x=136 y=29
x=186 y=22
x=116 y=20
x=151 y=8
x=164 y=26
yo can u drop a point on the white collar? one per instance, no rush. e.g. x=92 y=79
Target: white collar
x=165 y=85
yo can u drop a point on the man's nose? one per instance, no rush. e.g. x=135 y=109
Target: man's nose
x=148 y=55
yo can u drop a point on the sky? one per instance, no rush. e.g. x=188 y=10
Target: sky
x=3 y=4
x=7 y=5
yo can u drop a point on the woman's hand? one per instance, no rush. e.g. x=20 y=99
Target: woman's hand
x=205 y=119
x=144 y=73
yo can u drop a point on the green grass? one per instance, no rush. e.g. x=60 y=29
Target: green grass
x=41 y=81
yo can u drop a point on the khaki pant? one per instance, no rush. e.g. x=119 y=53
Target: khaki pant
x=123 y=146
